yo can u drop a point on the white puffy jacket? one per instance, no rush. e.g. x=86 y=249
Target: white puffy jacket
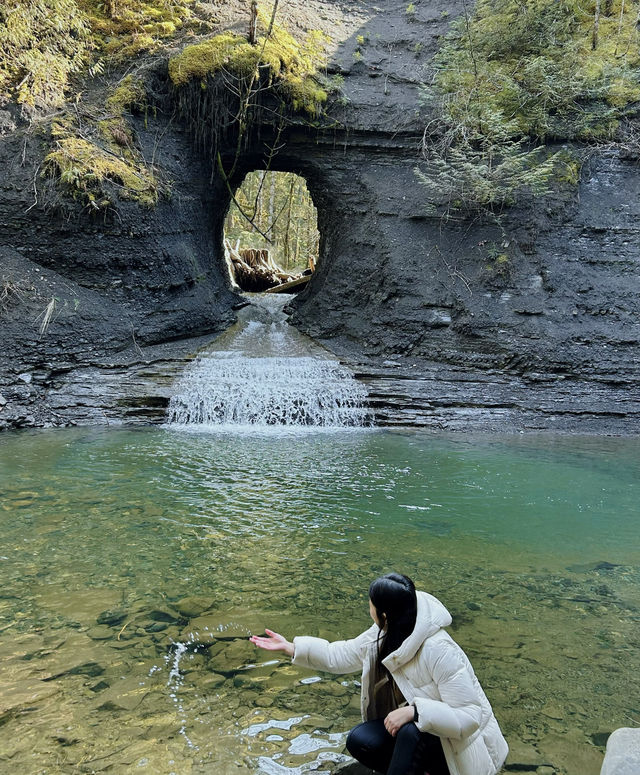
x=434 y=674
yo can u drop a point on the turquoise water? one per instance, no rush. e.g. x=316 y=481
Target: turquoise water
x=134 y=565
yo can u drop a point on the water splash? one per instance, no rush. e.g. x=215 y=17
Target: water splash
x=265 y=374
x=176 y=679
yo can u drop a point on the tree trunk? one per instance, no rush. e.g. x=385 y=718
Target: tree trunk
x=596 y=24
x=253 y=23
x=621 y=19
x=287 y=231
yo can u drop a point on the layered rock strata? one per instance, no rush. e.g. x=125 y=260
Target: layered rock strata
x=98 y=315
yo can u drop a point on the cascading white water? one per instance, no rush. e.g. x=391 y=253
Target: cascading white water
x=262 y=372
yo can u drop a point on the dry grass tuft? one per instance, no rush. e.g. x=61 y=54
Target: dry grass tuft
x=46 y=315
x=13 y=291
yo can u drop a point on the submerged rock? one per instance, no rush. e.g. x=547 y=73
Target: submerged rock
x=193 y=606
x=111 y=618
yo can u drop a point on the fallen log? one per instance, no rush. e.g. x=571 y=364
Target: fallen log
x=298 y=282
x=255 y=270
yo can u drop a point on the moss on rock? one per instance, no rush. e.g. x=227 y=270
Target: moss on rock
x=551 y=68
x=43 y=43
x=104 y=159
x=290 y=68
x=83 y=167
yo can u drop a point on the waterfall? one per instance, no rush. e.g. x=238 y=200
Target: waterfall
x=262 y=372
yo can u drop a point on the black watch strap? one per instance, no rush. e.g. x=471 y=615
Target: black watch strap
x=415 y=713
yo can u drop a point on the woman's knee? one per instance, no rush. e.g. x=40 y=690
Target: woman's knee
x=367 y=736
x=408 y=733
x=355 y=739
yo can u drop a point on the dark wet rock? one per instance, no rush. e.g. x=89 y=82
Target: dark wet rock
x=352 y=768
x=156 y=627
x=593 y=566
x=163 y=615
x=65 y=740
x=408 y=300
x=112 y=618
x=604 y=566
x=193 y=606
x=100 y=686
x=600 y=738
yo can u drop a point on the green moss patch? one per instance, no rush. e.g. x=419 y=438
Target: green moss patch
x=550 y=68
x=83 y=167
x=288 y=67
x=513 y=75
x=125 y=28
x=103 y=163
x=43 y=43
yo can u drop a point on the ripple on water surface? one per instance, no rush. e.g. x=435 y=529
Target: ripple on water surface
x=136 y=563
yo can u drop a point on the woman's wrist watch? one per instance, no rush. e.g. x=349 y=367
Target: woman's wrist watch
x=415 y=713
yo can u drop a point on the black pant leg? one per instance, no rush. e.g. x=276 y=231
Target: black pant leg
x=371 y=745
x=417 y=752
x=410 y=752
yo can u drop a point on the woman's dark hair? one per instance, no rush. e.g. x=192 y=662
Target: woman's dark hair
x=395 y=601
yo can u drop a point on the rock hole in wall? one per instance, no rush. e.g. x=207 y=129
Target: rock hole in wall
x=271 y=237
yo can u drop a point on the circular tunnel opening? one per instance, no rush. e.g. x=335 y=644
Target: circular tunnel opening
x=271 y=236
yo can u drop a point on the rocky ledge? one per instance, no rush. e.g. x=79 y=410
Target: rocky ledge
x=532 y=323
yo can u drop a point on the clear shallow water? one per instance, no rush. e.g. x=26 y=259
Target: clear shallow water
x=532 y=542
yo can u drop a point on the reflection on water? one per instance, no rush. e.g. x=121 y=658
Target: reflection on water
x=134 y=565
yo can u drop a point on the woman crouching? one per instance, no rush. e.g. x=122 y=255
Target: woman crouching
x=422 y=705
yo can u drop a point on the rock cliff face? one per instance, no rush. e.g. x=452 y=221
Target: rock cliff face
x=441 y=333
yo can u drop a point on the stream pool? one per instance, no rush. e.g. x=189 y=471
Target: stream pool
x=134 y=564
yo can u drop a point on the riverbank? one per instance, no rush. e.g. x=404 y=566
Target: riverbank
x=135 y=386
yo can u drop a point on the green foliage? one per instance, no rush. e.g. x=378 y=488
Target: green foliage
x=534 y=62
x=485 y=173
x=517 y=73
x=83 y=167
x=93 y=164
x=499 y=263
x=42 y=42
x=288 y=68
x=128 y=95
x=280 y=205
x=125 y=28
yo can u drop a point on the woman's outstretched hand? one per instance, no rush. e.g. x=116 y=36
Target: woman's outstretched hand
x=273 y=642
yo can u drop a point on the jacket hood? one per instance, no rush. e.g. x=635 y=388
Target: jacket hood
x=431 y=617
